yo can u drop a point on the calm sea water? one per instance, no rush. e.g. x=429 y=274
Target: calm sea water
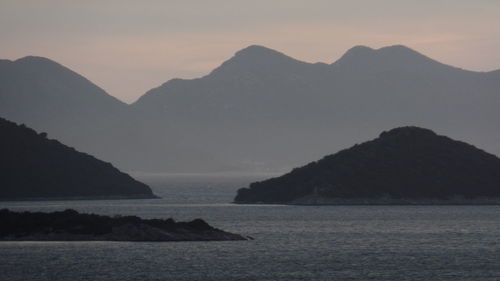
x=291 y=242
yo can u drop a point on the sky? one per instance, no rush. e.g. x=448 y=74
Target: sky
x=128 y=47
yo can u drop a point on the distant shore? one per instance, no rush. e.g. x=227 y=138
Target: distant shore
x=104 y=197
x=314 y=200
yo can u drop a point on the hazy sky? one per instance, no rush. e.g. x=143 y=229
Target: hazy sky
x=129 y=47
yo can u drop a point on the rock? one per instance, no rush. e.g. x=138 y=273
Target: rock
x=69 y=225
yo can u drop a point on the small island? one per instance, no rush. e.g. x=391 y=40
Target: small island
x=34 y=167
x=69 y=225
x=407 y=165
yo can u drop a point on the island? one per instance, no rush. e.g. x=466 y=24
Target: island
x=69 y=225
x=34 y=167
x=406 y=165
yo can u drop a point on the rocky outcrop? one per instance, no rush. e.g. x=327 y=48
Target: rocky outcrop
x=407 y=165
x=69 y=225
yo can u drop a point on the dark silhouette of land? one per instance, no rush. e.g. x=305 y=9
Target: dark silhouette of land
x=35 y=167
x=259 y=111
x=69 y=225
x=407 y=165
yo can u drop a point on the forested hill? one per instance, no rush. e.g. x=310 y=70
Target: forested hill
x=35 y=167
x=403 y=163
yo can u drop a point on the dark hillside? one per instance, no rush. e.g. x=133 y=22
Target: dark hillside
x=33 y=166
x=407 y=162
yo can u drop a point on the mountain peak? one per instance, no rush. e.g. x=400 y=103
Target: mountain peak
x=40 y=63
x=35 y=59
x=359 y=50
x=355 y=55
x=409 y=131
x=397 y=47
x=401 y=51
x=257 y=51
x=255 y=59
x=396 y=57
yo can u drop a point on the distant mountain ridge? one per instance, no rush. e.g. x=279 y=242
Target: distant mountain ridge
x=262 y=110
x=50 y=97
x=388 y=58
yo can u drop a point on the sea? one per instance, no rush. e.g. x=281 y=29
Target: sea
x=290 y=242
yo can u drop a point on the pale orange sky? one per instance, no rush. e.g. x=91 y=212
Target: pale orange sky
x=129 y=47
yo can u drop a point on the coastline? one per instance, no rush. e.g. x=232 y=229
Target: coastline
x=69 y=225
x=70 y=198
x=314 y=200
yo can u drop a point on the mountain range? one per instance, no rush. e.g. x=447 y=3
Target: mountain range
x=259 y=111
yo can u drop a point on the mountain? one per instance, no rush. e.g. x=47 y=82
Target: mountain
x=398 y=57
x=35 y=167
x=45 y=94
x=401 y=165
x=262 y=110
x=49 y=97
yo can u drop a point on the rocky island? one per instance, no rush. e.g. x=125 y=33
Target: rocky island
x=407 y=165
x=69 y=225
x=35 y=167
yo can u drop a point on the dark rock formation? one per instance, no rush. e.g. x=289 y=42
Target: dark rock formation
x=35 y=167
x=407 y=165
x=69 y=225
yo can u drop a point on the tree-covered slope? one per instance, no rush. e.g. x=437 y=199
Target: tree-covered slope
x=407 y=162
x=33 y=166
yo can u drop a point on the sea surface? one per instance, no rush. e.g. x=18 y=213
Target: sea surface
x=291 y=242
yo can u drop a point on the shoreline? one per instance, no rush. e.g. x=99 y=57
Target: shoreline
x=70 y=225
x=76 y=198
x=326 y=201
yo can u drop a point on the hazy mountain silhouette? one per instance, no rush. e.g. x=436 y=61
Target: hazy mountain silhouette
x=401 y=164
x=262 y=107
x=264 y=110
x=34 y=166
x=47 y=94
x=52 y=98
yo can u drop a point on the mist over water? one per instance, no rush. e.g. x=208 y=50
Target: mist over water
x=291 y=242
